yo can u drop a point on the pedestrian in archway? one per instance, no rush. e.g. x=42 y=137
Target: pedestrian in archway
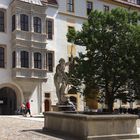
x=22 y=109
x=28 y=110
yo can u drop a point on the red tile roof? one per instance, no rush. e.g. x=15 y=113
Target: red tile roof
x=49 y=1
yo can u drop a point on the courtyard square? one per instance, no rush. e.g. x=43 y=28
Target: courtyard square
x=25 y=128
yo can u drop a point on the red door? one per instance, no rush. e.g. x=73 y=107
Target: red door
x=47 y=105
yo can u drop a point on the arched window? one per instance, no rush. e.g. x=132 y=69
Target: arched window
x=37 y=25
x=37 y=60
x=14 y=59
x=24 y=22
x=1 y=57
x=24 y=58
x=1 y=21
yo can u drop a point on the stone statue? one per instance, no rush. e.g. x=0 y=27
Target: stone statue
x=61 y=80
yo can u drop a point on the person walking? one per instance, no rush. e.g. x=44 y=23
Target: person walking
x=22 y=109
x=28 y=110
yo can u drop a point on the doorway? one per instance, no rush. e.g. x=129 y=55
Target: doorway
x=47 y=105
x=8 y=101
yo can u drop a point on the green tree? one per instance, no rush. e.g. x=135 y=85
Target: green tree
x=112 y=55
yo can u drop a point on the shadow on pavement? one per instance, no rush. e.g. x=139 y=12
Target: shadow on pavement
x=48 y=133
x=38 y=116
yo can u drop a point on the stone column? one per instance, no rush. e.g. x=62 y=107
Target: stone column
x=17 y=21
x=32 y=60
x=43 y=25
x=18 y=63
x=43 y=60
x=31 y=22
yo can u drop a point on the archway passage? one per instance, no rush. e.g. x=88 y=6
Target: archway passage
x=8 y=101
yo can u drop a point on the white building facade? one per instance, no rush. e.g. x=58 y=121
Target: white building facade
x=32 y=40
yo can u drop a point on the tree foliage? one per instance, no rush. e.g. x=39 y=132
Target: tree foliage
x=111 y=64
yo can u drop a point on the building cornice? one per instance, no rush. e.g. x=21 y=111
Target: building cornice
x=72 y=15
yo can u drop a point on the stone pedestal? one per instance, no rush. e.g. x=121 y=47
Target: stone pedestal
x=64 y=108
x=92 y=127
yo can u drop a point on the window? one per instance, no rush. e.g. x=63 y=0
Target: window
x=37 y=25
x=1 y=21
x=106 y=8
x=37 y=60
x=24 y=59
x=89 y=7
x=2 y=57
x=14 y=59
x=132 y=1
x=50 y=59
x=24 y=22
x=13 y=22
x=50 y=27
x=47 y=95
x=70 y=5
x=138 y=2
x=71 y=30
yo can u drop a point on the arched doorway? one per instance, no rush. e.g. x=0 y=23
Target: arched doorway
x=8 y=101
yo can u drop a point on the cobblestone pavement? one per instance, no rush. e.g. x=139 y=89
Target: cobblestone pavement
x=21 y=128
x=26 y=128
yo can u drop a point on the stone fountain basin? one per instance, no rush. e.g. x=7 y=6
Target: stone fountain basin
x=92 y=127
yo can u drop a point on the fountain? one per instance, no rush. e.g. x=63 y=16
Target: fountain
x=83 y=125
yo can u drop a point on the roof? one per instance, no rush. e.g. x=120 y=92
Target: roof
x=54 y=2
x=127 y=3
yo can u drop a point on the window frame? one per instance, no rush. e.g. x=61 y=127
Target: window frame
x=106 y=8
x=2 y=57
x=70 y=5
x=37 y=24
x=2 y=21
x=13 y=59
x=37 y=60
x=24 y=59
x=24 y=22
x=13 y=22
x=69 y=27
x=138 y=2
x=89 y=7
x=50 y=28
x=50 y=61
